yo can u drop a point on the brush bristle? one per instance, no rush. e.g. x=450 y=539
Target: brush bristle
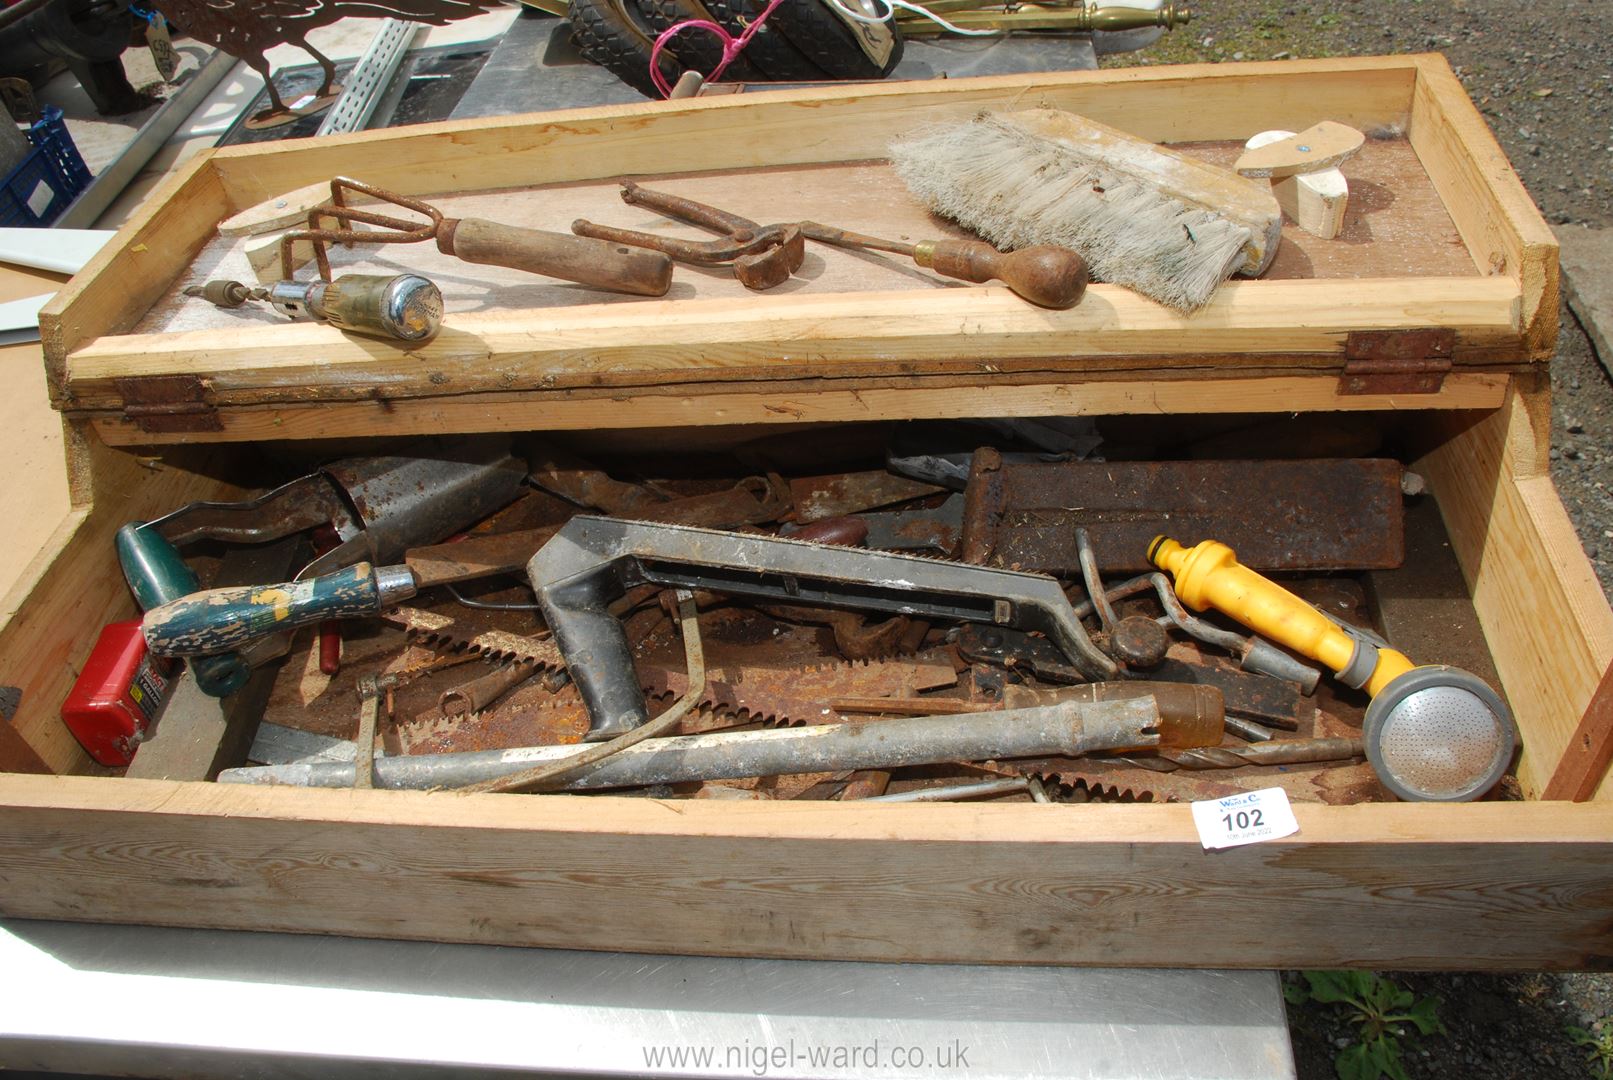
x=1017 y=189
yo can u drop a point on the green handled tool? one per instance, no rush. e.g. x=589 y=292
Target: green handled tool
x=158 y=576
x=203 y=624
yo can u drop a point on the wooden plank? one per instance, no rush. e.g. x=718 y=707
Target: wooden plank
x=1585 y=760
x=1497 y=219
x=197 y=735
x=16 y=756
x=36 y=482
x=792 y=405
x=1399 y=228
x=1175 y=104
x=50 y=619
x=1543 y=612
x=127 y=275
x=1480 y=886
x=802 y=335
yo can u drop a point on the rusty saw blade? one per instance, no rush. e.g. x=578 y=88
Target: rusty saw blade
x=802 y=695
x=734 y=697
x=444 y=632
x=1326 y=782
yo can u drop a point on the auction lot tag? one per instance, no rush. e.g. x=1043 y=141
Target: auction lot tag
x=1244 y=819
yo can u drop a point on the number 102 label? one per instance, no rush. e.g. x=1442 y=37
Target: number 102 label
x=1247 y=818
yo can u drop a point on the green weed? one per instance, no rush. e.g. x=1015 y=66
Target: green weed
x=1380 y=1009
x=1598 y=1043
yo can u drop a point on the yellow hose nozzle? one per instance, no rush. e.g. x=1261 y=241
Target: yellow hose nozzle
x=1209 y=576
x=1432 y=732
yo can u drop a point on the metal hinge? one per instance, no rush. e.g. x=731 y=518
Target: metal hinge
x=1396 y=361
x=166 y=404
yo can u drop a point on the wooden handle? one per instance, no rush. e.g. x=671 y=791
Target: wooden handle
x=572 y=258
x=1046 y=275
x=218 y=620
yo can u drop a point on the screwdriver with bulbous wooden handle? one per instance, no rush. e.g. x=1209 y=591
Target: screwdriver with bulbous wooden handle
x=1047 y=275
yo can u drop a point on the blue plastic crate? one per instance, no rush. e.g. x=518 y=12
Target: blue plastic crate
x=48 y=180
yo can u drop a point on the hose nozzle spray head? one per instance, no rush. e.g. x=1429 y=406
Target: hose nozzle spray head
x=1432 y=733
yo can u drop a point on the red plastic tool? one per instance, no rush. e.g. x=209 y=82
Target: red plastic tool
x=117 y=696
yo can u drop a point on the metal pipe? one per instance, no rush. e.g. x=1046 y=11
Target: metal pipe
x=1093 y=581
x=20 y=11
x=980 y=789
x=1064 y=729
x=1245 y=730
x=482 y=692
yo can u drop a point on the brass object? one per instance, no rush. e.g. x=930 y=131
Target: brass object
x=1079 y=18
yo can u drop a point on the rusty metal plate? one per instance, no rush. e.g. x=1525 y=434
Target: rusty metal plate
x=169 y=404
x=819 y=497
x=1397 y=361
x=1277 y=515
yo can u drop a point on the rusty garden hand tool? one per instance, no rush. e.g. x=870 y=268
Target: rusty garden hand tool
x=476 y=240
x=1047 y=275
x=761 y=256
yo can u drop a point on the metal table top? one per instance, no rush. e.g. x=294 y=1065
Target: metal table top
x=150 y=1001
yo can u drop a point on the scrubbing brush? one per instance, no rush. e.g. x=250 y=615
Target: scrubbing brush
x=1165 y=224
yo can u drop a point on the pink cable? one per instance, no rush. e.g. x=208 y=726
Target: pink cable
x=731 y=46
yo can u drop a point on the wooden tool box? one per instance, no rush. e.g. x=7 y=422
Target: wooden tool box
x=1434 y=314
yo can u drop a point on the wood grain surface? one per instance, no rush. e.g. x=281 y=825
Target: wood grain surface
x=1475 y=886
x=1397 y=227
x=1548 y=625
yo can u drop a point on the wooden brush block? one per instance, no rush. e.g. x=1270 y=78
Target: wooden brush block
x=1319 y=147
x=1316 y=201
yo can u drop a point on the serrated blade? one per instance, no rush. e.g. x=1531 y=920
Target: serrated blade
x=734 y=696
x=442 y=631
x=802 y=695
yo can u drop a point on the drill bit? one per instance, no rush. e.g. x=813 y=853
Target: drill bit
x=1276 y=752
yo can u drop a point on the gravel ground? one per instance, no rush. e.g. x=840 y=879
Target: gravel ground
x=1542 y=75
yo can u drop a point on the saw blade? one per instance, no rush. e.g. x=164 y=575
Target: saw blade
x=442 y=631
x=802 y=695
x=733 y=697
x=1082 y=789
